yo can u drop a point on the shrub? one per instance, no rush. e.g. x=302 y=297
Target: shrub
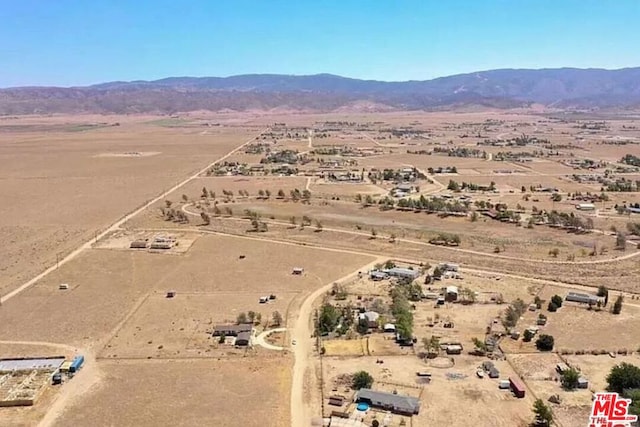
x=545 y=343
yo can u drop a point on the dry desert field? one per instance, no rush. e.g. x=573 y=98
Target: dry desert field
x=353 y=185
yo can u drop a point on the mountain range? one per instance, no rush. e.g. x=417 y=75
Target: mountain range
x=505 y=88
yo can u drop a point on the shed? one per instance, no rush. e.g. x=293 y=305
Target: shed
x=447 y=266
x=581 y=298
x=583 y=382
x=451 y=293
x=377 y=276
x=562 y=367
x=243 y=338
x=171 y=294
x=336 y=400
x=138 y=244
x=297 y=270
x=504 y=385
x=585 y=206
x=371 y=317
x=389 y=327
x=454 y=349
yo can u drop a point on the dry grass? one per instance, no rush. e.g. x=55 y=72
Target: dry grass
x=249 y=392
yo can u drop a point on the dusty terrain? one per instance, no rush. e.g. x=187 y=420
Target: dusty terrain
x=69 y=180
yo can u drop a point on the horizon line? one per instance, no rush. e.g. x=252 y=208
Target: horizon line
x=311 y=75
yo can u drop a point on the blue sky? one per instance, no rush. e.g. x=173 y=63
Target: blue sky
x=64 y=42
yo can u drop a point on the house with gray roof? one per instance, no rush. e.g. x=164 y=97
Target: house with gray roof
x=403 y=273
x=396 y=403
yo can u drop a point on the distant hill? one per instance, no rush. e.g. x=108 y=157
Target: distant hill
x=506 y=88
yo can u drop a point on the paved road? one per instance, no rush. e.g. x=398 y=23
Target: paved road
x=115 y=226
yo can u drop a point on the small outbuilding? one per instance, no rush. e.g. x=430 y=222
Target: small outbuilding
x=139 y=244
x=377 y=276
x=454 y=349
x=389 y=327
x=582 y=298
x=583 y=382
x=336 y=400
x=371 y=317
x=171 y=294
x=451 y=293
x=297 y=270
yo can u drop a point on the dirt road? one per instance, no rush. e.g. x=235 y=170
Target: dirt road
x=301 y=413
x=454 y=249
x=117 y=224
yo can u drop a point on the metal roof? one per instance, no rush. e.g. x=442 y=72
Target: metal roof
x=396 y=402
x=31 y=364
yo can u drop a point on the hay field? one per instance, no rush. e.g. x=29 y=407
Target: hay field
x=246 y=392
x=62 y=186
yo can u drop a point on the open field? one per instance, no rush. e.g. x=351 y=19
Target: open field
x=68 y=178
x=186 y=392
x=83 y=182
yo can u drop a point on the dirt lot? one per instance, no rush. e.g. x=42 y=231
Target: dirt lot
x=181 y=327
x=475 y=398
x=181 y=393
x=567 y=324
x=67 y=175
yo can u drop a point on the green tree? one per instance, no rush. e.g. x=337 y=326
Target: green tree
x=362 y=379
x=544 y=416
x=617 y=306
x=206 y=220
x=185 y=198
x=570 y=379
x=623 y=377
x=328 y=318
x=222 y=338
x=242 y=318
x=545 y=342
x=557 y=300
x=621 y=241
x=251 y=316
x=551 y=307
x=480 y=345
x=276 y=317
x=363 y=326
